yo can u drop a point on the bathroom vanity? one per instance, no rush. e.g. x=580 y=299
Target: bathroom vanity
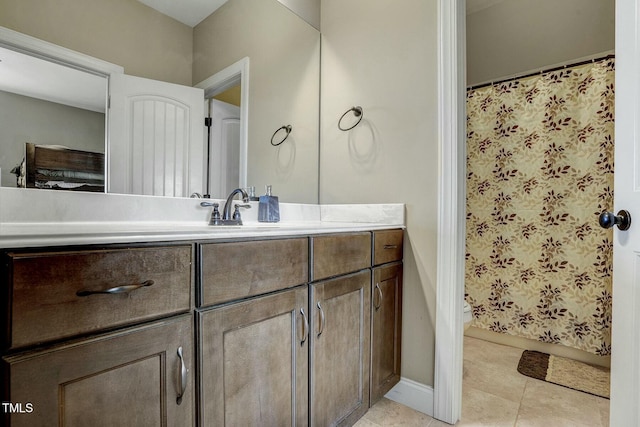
x=281 y=325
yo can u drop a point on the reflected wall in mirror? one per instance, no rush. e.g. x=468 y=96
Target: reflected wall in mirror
x=283 y=89
x=285 y=66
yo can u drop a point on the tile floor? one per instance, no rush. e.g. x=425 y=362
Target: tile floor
x=495 y=394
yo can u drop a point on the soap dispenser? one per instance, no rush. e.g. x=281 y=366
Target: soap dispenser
x=268 y=207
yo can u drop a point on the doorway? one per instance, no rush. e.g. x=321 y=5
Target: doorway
x=227 y=167
x=448 y=369
x=534 y=279
x=223 y=142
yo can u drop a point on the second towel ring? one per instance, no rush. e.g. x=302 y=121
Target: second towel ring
x=357 y=111
x=287 y=129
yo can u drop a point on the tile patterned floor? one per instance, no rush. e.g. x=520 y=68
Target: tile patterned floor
x=495 y=394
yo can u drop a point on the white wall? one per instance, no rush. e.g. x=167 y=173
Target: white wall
x=515 y=36
x=381 y=55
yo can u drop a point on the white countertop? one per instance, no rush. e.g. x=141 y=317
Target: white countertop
x=55 y=219
x=19 y=235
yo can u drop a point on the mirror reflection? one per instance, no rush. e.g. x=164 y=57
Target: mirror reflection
x=282 y=89
x=52 y=125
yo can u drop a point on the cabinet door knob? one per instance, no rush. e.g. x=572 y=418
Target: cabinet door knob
x=183 y=376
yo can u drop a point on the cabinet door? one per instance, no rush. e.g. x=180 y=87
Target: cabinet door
x=130 y=378
x=254 y=361
x=340 y=349
x=386 y=318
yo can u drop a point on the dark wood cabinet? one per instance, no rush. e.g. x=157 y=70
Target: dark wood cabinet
x=336 y=254
x=386 y=329
x=129 y=378
x=237 y=270
x=61 y=294
x=340 y=349
x=299 y=330
x=254 y=361
x=386 y=312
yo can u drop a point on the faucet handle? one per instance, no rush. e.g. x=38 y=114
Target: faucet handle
x=215 y=214
x=236 y=212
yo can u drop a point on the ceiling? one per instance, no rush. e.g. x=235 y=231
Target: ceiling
x=192 y=12
x=189 y=12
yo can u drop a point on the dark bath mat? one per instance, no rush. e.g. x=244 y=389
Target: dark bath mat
x=565 y=372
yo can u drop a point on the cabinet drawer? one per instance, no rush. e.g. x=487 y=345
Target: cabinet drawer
x=232 y=271
x=387 y=246
x=61 y=294
x=340 y=253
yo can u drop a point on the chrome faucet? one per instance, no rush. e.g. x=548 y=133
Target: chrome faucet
x=226 y=212
x=227 y=217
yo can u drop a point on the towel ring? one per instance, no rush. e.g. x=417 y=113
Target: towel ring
x=357 y=111
x=287 y=129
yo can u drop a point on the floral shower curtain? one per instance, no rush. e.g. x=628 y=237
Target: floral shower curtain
x=540 y=171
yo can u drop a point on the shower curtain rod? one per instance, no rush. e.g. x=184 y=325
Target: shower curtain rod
x=541 y=71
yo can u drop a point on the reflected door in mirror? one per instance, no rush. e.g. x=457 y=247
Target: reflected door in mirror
x=224 y=151
x=156 y=138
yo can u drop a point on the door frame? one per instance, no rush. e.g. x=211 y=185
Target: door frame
x=447 y=386
x=230 y=76
x=451 y=214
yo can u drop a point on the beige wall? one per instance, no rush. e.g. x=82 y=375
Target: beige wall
x=516 y=36
x=124 y=32
x=383 y=57
x=284 y=55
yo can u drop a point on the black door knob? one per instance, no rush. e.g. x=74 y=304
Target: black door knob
x=622 y=220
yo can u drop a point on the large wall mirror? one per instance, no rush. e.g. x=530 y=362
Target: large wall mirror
x=283 y=90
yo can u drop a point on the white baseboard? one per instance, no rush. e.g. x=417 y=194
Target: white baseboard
x=413 y=394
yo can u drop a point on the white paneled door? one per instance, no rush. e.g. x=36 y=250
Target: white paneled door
x=225 y=148
x=625 y=343
x=156 y=144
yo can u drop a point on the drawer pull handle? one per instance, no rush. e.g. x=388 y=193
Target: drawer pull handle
x=117 y=290
x=377 y=307
x=183 y=376
x=321 y=320
x=390 y=246
x=305 y=326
